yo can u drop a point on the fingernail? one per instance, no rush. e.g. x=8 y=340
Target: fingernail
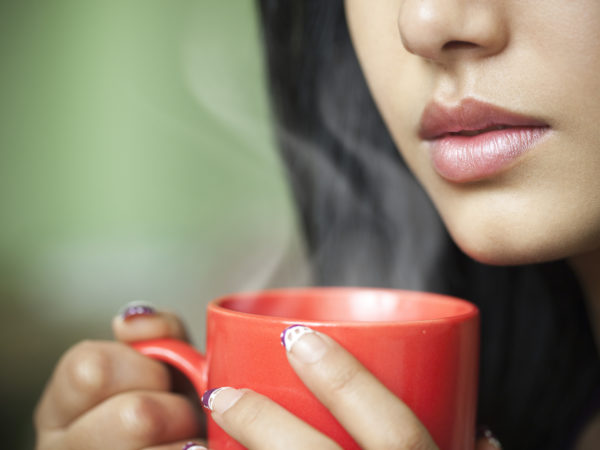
x=221 y=399
x=484 y=432
x=304 y=343
x=193 y=446
x=136 y=309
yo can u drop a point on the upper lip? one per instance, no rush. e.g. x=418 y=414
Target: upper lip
x=469 y=115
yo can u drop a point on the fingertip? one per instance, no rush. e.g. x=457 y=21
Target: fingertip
x=136 y=309
x=137 y=322
x=132 y=311
x=193 y=446
x=305 y=344
x=221 y=399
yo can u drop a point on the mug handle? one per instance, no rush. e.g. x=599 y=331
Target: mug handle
x=178 y=354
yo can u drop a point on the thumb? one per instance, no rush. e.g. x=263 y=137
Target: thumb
x=138 y=321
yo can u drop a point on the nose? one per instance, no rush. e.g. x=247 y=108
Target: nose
x=441 y=30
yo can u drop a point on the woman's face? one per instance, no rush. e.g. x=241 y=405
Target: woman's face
x=495 y=106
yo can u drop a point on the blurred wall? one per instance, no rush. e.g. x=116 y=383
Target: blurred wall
x=137 y=163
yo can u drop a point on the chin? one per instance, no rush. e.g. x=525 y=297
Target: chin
x=506 y=250
x=510 y=230
x=501 y=257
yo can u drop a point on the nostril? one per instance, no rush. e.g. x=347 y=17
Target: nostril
x=458 y=45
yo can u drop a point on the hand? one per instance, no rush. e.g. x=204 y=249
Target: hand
x=344 y=386
x=106 y=395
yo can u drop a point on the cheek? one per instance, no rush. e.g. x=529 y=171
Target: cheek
x=401 y=89
x=397 y=79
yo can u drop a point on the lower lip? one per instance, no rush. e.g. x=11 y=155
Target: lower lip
x=462 y=159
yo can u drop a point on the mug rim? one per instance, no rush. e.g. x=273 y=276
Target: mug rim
x=469 y=311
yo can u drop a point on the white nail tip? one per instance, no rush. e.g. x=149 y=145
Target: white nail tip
x=293 y=334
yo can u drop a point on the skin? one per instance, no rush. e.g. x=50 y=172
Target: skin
x=540 y=62
x=96 y=399
x=537 y=61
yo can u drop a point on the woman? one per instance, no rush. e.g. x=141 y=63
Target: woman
x=493 y=107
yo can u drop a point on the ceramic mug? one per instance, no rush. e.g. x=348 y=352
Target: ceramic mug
x=424 y=347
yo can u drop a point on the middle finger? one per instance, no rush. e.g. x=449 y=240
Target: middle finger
x=135 y=420
x=91 y=372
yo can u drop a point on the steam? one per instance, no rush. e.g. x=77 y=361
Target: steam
x=214 y=50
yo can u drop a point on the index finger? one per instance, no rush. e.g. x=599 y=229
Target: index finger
x=372 y=414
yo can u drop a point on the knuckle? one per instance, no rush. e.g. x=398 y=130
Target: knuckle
x=342 y=378
x=251 y=412
x=88 y=367
x=141 y=417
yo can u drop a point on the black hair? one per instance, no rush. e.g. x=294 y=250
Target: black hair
x=366 y=221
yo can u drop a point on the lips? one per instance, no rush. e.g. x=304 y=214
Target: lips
x=476 y=140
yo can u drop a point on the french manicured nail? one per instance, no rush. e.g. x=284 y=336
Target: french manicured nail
x=136 y=309
x=304 y=343
x=221 y=399
x=193 y=446
x=484 y=432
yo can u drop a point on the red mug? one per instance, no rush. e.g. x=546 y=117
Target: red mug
x=424 y=347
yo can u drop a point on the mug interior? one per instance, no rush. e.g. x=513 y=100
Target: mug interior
x=348 y=304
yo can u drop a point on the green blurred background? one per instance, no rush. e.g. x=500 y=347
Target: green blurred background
x=137 y=163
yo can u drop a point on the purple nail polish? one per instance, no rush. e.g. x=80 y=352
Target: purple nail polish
x=206 y=397
x=209 y=396
x=137 y=309
x=193 y=446
x=284 y=332
x=291 y=334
